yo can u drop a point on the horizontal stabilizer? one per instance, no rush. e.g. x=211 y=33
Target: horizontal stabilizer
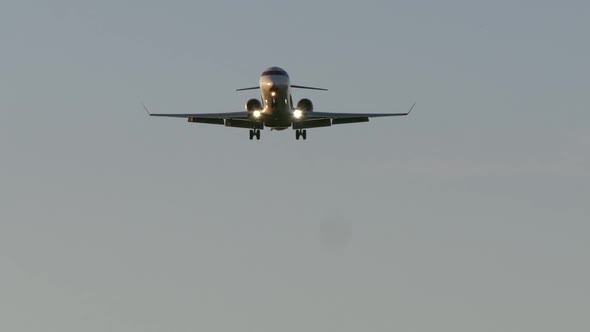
x=293 y=86
x=251 y=88
x=308 y=87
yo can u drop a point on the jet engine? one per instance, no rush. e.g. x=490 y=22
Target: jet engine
x=305 y=105
x=253 y=105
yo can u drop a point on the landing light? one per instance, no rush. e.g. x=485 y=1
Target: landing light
x=297 y=114
x=273 y=93
x=256 y=114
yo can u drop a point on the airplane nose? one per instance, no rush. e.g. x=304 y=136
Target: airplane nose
x=270 y=82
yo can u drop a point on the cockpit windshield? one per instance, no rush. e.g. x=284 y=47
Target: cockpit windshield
x=275 y=72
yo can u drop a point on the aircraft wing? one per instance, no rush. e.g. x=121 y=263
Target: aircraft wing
x=341 y=118
x=231 y=119
x=222 y=116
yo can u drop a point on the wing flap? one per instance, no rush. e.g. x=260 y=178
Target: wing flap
x=312 y=124
x=248 y=124
x=208 y=121
x=349 y=120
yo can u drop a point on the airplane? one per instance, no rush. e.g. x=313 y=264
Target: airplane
x=277 y=111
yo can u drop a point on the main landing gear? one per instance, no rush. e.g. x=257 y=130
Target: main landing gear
x=254 y=133
x=301 y=133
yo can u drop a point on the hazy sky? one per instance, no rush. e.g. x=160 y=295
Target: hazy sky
x=472 y=214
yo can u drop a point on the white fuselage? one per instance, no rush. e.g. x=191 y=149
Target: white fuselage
x=277 y=102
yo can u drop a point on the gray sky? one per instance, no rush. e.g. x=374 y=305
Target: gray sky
x=469 y=215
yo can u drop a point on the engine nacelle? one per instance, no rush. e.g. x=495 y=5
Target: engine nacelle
x=253 y=105
x=305 y=105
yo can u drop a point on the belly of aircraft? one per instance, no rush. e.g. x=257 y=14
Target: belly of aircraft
x=278 y=119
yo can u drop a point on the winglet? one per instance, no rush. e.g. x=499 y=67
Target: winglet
x=145 y=108
x=411 y=108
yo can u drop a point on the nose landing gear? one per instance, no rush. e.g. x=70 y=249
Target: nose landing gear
x=301 y=133
x=254 y=133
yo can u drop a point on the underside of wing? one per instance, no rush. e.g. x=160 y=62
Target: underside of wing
x=231 y=115
x=235 y=119
x=327 y=115
x=326 y=119
x=230 y=119
x=340 y=118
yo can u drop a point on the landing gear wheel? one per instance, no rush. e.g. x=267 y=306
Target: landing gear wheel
x=300 y=133
x=251 y=134
x=257 y=134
